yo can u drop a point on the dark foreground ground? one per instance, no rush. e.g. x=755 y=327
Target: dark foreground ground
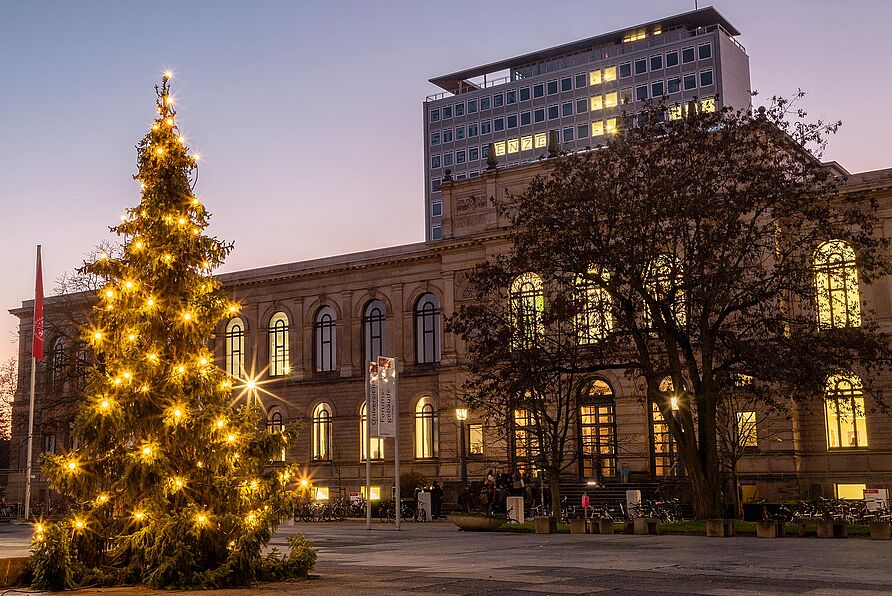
x=437 y=558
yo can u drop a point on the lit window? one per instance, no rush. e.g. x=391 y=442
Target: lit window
x=610 y=125
x=707 y=105
x=377 y=443
x=609 y=74
x=276 y=424
x=500 y=148
x=373 y=320
x=846 y=417
x=675 y=112
x=374 y=491
x=513 y=145
x=526 y=445
x=597 y=128
x=595 y=319
x=425 y=429
x=597 y=420
x=610 y=100
x=662 y=445
x=322 y=432
x=636 y=35
x=325 y=337
x=836 y=285
x=475 y=439
x=851 y=492
x=235 y=353
x=278 y=345
x=427 y=330
x=321 y=493
x=594 y=77
x=526 y=143
x=597 y=103
x=746 y=429
x=540 y=140
x=527 y=306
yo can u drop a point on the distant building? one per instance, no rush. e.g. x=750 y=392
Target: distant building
x=579 y=91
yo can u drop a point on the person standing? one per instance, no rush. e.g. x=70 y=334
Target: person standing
x=436 y=499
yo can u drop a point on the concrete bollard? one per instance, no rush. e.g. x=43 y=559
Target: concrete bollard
x=880 y=530
x=832 y=529
x=720 y=528
x=605 y=526
x=546 y=525
x=643 y=526
x=578 y=526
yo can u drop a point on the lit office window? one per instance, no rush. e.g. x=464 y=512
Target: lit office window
x=425 y=429
x=597 y=128
x=609 y=74
x=594 y=77
x=610 y=126
x=597 y=103
x=746 y=429
x=707 y=105
x=278 y=345
x=675 y=112
x=475 y=439
x=322 y=432
x=597 y=421
x=235 y=351
x=540 y=139
x=527 y=306
x=846 y=416
x=610 y=100
x=836 y=285
x=499 y=148
x=850 y=492
x=513 y=145
x=526 y=143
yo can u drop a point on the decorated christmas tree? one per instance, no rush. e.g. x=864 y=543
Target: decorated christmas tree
x=171 y=470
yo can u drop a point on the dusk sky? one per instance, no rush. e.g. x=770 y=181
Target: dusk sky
x=307 y=115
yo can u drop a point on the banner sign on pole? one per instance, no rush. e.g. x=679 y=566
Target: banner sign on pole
x=387 y=397
x=373 y=406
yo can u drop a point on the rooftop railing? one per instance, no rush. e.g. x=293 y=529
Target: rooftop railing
x=618 y=50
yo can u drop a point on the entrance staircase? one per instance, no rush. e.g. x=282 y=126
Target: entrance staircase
x=609 y=494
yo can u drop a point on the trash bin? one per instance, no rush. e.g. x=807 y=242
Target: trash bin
x=424 y=504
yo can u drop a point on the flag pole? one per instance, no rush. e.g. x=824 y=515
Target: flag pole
x=36 y=351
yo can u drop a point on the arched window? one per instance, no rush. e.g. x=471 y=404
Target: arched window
x=276 y=424
x=377 y=444
x=427 y=330
x=235 y=348
x=373 y=318
x=664 y=285
x=836 y=285
x=597 y=421
x=325 y=339
x=322 y=432
x=527 y=304
x=595 y=319
x=846 y=417
x=278 y=345
x=662 y=444
x=58 y=362
x=425 y=429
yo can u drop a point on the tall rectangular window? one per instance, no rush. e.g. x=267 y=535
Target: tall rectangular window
x=597 y=422
x=846 y=416
x=447 y=135
x=746 y=429
x=459 y=133
x=278 y=345
x=663 y=452
x=485 y=127
x=552 y=112
x=641 y=93
x=610 y=100
x=512 y=121
x=435 y=137
x=475 y=439
x=594 y=77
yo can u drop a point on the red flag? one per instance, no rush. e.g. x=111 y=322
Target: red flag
x=37 y=339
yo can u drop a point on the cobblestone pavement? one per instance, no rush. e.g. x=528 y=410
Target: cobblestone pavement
x=436 y=558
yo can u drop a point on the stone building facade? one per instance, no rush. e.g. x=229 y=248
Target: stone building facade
x=306 y=329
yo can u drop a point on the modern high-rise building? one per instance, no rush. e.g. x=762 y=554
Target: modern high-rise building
x=577 y=90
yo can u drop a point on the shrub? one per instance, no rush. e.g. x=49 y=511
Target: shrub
x=297 y=564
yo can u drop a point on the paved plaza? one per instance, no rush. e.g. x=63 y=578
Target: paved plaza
x=437 y=558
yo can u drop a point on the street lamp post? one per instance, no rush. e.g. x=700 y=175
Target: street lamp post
x=461 y=414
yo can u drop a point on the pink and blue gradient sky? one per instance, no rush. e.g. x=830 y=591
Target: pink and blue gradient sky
x=307 y=115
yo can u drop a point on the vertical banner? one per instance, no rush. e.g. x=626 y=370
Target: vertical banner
x=373 y=404
x=387 y=397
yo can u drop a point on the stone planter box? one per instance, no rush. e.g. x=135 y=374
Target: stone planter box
x=630 y=527
x=719 y=528
x=643 y=526
x=605 y=526
x=578 y=526
x=476 y=523
x=770 y=529
x=880 y=530
x=12 y=571
x=546 y=525
x=832 y=529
